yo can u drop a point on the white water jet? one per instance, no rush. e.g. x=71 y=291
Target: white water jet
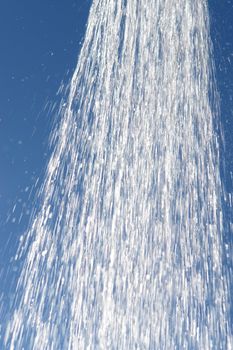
x=126 y=251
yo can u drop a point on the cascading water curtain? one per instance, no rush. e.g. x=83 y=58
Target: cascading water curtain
x=126 y=251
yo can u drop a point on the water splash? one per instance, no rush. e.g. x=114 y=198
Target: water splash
x=126 y=251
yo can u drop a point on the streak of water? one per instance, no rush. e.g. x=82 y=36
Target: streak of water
x=126 y=250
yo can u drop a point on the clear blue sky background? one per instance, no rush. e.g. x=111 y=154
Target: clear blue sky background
x=39 y=45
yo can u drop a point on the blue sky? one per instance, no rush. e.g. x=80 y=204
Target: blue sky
x=39 y=45
x=222 y=36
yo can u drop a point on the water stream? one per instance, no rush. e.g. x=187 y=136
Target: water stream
x=126 y=251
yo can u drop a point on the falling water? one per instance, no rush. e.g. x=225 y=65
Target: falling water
x=126 y=250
